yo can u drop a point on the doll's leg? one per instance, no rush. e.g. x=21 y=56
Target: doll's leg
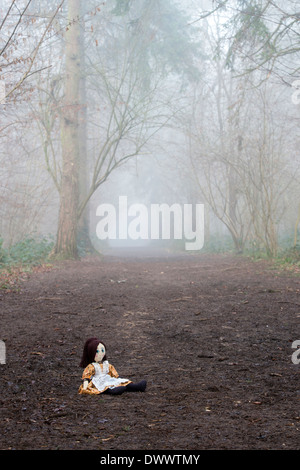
x=115 y=390
x=136 y=387
x=132 y=387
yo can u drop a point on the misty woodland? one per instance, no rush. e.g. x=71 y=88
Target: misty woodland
x=161 y=101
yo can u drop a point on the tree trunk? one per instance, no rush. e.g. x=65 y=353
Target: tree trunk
x=66 y=243
x=83 y=238
x=296 y=227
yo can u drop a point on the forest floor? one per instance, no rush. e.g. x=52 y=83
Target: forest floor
x=211 y=334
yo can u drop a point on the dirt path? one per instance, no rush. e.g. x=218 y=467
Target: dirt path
x=211 y=334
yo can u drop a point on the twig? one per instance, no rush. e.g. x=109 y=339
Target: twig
x=181 y=299
x=288 y=302
x=64 y=313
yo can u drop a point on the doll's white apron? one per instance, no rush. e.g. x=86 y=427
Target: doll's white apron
x=102 y=379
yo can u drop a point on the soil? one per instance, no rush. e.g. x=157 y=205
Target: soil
x=212 y=335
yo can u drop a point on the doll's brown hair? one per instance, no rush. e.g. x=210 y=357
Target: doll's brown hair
x=89 y=351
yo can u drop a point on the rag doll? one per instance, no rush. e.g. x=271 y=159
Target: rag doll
x=99 y=376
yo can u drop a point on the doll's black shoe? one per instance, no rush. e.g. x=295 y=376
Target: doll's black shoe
x=137 y=387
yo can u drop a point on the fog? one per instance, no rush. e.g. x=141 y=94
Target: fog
x=159 y=101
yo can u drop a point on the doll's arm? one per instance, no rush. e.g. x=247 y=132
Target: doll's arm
x=113 y=372
x=85 y=384
x=88 y=373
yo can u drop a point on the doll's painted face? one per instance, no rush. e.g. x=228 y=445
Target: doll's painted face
x=100 y=352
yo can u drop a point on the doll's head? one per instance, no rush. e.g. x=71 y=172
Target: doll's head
x=94 y=351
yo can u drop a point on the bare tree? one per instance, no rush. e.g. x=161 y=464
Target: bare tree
x=66 y=242
x=24 y=189
x=12 y=27
x=240 y=151
x=134 y=104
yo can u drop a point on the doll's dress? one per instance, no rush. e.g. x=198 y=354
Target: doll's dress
x=101 y=377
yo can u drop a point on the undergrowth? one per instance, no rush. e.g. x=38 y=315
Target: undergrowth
x=17 y=261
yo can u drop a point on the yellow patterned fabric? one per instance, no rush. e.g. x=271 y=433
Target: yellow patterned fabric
x=101 y=377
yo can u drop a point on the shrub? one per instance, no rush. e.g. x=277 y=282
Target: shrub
x=30 y=251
